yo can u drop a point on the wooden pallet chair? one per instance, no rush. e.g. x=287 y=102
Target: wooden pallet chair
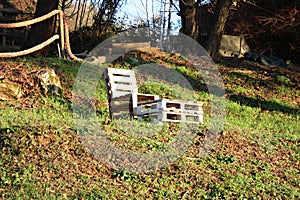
x=125 y=101
x=122 y=93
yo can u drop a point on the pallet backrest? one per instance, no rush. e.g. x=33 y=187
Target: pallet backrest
x=119 y=82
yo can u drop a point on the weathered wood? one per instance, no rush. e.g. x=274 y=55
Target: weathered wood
x=125 y=97
x=121 y=88
x=122 y=72
x=122 y=79
x=131 y=45
x=119 y=82
x=117 y=94
x=121 y=107
x=165 y=116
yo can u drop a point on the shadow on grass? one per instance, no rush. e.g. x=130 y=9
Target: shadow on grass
x=290 y=71
x=263 y=104
x=270 y=84
x=269 y=78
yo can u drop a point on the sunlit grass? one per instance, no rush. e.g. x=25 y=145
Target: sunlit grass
x=257 y=155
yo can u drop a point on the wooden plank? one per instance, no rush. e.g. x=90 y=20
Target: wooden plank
x=120 y=50
x=147 y=97
x=144 y=107
x=119 y=94
x=118 y=76
x=126 y=97
x=106 y=51
x=121 y=107
x=122 y=87
x=143 y=96
x=132 y=45
x=124 y=79
x=115 y=71
x=174 y=105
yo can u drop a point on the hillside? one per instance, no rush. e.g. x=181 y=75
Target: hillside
x=257 y=155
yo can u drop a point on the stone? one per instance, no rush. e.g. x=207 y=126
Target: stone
x=48 y=82
x=10 y=91
x=233 y=46
x=265 y=60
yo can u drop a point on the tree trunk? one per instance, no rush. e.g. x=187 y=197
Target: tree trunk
x=217 y=29
x=42 y=31
x=169 y=19
x=189 y=18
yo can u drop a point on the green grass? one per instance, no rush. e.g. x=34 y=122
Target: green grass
x=256 y=157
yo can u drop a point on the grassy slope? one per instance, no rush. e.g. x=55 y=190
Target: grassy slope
x=256 y=157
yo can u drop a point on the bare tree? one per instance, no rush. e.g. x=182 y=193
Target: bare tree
x=217 y=28
x=170 y=16
x=105 y=15
x=189 y=21
x=190 y=18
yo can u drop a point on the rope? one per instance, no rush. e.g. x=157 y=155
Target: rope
x=67 y=42
x=30 y=50
x=32 y=21
x=64 y=36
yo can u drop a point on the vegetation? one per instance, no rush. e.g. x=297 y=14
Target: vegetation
x=256 y=157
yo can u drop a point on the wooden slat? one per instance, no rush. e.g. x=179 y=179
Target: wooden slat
x=146 y=97
x=121 y=107
x=117 y=87
x=119 y=50
x=123 y=79
x=116 y=77
x=120 y=71
x=126 y=97
x=118 y=94
x=132 y=45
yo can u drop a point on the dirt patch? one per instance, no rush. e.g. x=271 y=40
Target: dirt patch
x=247 y=151
x=25 y=75
x=290 y=71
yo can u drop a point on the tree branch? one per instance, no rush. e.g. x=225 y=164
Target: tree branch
x=186 y=4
